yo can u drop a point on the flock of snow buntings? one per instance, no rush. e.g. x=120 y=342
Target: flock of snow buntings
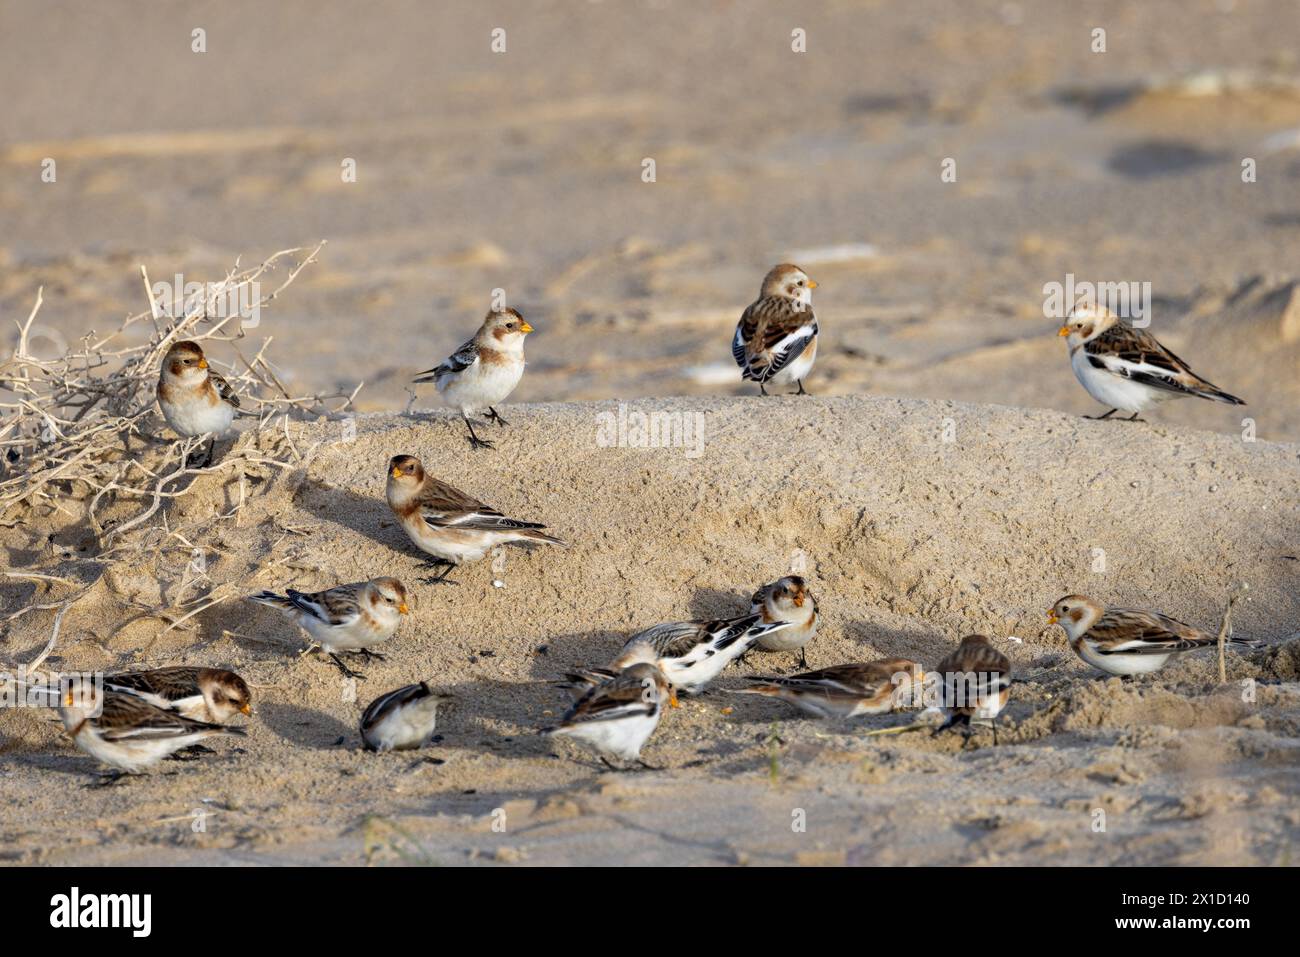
x=139 y=718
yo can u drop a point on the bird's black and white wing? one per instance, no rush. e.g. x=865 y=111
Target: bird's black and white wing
x=458 y=361
x=224 y=389
x=1137 y=355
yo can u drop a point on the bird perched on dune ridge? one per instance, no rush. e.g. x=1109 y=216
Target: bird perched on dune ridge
x=403 y=719
x=786 y=599
x=348 y=619
x=1126 y=368
x=845 y=691
x=1125 y=642
x=195 y=400
x=204 y=694
x=617 y=714
x=484 y=371
x=975 y=683
x=446 y=523
x=126 y=732
x=776 y=338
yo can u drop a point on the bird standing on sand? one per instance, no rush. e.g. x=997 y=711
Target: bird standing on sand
x=350 y=619
x=787 y=599
x=845 y=691
x=1121 y=641
x=125 y=731
x=975 y=684
x=484 y=371
x=693 y=653
x=204 y=694
x=448 y=524
x=403 y=719
x=615 y=717
x=1126 y=368
x=776 y=339
x=194 y=399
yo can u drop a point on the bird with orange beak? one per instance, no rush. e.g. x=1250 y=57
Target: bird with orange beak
x=195 y=400
x=786 y=599
x=776 y=338
x=484 y=371
x=1126 y=368
x=350 y=619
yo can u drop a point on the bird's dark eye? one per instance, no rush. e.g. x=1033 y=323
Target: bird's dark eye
x=799 y=283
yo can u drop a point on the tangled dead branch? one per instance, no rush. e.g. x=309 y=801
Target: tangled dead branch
x=77 y=426
x=79 y=434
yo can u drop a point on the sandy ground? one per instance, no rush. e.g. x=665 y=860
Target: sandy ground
x=522 y=171
x=907 y=540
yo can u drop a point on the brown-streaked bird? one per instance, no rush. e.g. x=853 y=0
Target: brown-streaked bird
x=447 y=524
x=195 y=400
x=787 y=599
x=125 y=731
x=348 y=619
x=616 y=717
x=845 y=691
x=484 y=371
x=776 y=338
x=1125 y=642
x=1126 y=368
x=975 y=684
x=204 y=694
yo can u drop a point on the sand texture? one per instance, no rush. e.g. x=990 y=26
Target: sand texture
x=908 y=542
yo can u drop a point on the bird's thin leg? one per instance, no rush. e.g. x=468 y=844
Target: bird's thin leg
x=803 y=658
x=801 y=389
x=994 y=723
x=1098 y=418
x=107 y=779
x=348 y=672
x=609 y=764
x=1134 y=418
x=441 y=578
x=762 y=389
x=647 y=767
x=474 y=441
x=495 y=416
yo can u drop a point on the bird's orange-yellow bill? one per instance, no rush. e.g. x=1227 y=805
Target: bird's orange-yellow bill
x=1063 y=331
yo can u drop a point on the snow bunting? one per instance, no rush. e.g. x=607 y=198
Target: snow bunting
x=483 y=371
x=787 y=599
x=1126 y=368
x=845 y=691
x=401 y=720
x=448 y=524
x=128 y=733
x=776 y=339
x=347 y=618
x=194 y=399
x=975 y=684
x=1120 y=641
x=636 y=651
x=204 y=694
x=616 y=717
x=693 y=653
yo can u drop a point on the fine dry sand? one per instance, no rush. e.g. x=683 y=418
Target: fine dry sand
x=908 y=541
x=522 y=171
